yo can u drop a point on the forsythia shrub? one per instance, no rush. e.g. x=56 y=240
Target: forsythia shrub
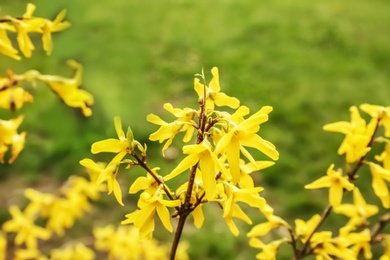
x=218 y=163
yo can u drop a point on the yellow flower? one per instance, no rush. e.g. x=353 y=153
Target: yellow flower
x=143 y=218
x=121 y=146
x=26 y=231
x=384 y=157
x=147 y=183
x=386 y=254
x=14 y=98
x=244 y=134
x=9 y=136
x=233 y=195
x=379 y=112
x=23 y=27
x=3 y=246
x=68 y=89
x=77 y=251
x=336 y=182
x=358 y=135
x=6 y=47
x=358 y=212
x=214 y=94
x=27 y=254
x=107 y=174
x=167 y=131
x=268 y=250
x=58 y=24
x=262 y=229
x=304 y=229
x=208 y=163
x=379 y=175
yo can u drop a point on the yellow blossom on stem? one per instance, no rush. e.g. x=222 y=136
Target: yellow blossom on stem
x=214 y=96
x=167 y=131
x=336 y=182
x=9 y=136
x=262 y=229
x=107 y=174
x=149 y=205
x=379 y=112
x=68 y=89
x=304 y=229
x=357 y=135
x=384 y=157
x=244 y=134
x=358 y=212
x=233 y=195
x=6 y=47
x=208 y=163
x=381 y=190
x=121 y=146
x=26 y=231
x=268 y=250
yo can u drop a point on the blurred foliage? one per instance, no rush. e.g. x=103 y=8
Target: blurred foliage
x=310 y=60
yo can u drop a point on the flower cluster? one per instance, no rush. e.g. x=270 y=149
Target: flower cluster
x=124 y=243
x=355 y=238
x=59 y=211
x=13 y=93
x=219 y=162
x=26 y=24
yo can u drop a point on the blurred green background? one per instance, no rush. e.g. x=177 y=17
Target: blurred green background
x=310 y=60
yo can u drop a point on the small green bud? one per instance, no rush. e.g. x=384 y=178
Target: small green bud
x=130 y=138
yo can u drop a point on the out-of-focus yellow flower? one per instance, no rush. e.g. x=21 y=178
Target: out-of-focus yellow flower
x=245 y=134
x=379 y=112
x=14 y=98
x=357 y=135
x=27 y=254
x=77 y=251
x=213 y=93
x=143 y=218
x=386 y=254
x=358 y=212
x=58 y=24
x=3 y=246
x=6 y=47
x=208 y=163
x=336 y=182
x=304 y=229
x=384 y=157
x=24 y=26
x=27 y=24
x=107 y=174
x=9 y=136
x=68 y=89
x=268 y=250
x=262 y=229
x=167 y=131
x=379 y=175
x=26 y=231
x=116 y=242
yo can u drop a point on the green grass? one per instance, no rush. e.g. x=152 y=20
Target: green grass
x=310 y=60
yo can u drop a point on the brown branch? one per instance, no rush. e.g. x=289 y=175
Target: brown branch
x=143 y=164
x=379 y=226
